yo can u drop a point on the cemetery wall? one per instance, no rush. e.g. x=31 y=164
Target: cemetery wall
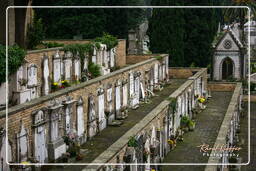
x=133 y=59
x=22 y=113
x=180 y=72
x=120 y=49
x=221 y=86
x=36 y=56
x=156 y=118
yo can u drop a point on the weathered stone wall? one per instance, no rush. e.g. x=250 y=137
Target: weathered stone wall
x=120 y=49
x=159 y=118
x=180 y=72
x=23 y=112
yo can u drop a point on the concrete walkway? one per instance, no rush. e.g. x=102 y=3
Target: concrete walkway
x=109 y=135
x=207 y=126
x=244 y=138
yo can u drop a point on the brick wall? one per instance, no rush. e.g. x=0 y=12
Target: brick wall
x=225 y=86
x=180 y=72
x=22 y=112
x=133 y=59
x=36 y=56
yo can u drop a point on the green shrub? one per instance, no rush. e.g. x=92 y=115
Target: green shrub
x=173 y=103
x=16 y=57
x=35 y=34
x=191 y=123
x=184 y=121
x=107 y=39
x=132 y=142
x=94 y=69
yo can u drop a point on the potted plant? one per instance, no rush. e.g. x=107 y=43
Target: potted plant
x=184 y=121
x=191 y=125
x=65 y=83
x=55 y=86
x=132 y=142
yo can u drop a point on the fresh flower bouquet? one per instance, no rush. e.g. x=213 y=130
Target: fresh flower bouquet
x=201 y=100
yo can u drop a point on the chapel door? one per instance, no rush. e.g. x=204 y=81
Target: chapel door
x=227 y=69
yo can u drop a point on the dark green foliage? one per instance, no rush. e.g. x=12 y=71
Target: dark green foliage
x=185 y=34
x=94 y=69
x=89 y=23
x=108 y=40
x=173 y=104
x=132 y=142
x=35 y=34
x=80 y=49
x=15 y=59
x=184 y=121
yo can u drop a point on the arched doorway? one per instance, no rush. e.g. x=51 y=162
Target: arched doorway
x=227 y=68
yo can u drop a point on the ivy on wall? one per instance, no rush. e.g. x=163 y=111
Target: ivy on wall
x=16 y=57
x=87 y=49
x=107 y=39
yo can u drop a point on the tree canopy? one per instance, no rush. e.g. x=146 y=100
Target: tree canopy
x=185 y=34
x=89 y=22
